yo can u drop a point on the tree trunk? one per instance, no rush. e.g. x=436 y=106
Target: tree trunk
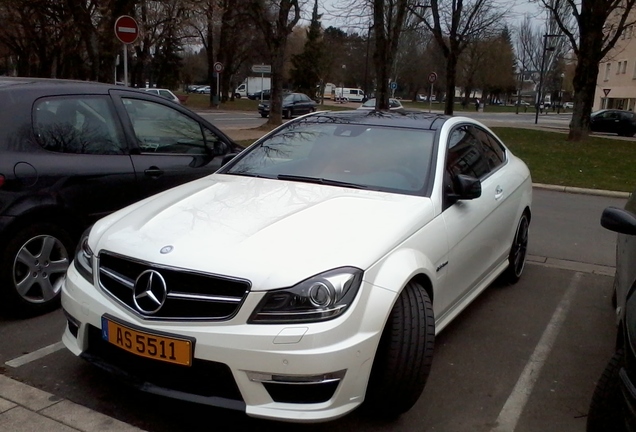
x=451 y=71
x=584 y=82
x=276 y=96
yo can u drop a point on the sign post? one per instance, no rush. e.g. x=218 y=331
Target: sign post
x=218 y=68
x=263 y=69
x=393 y=86
x=432 y=77
x=127 y=31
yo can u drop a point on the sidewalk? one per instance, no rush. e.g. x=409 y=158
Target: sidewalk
x=26 y=409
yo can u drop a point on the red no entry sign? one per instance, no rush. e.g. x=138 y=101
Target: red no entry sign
x=126 y=29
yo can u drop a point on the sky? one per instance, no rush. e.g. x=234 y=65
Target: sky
x=329 y=11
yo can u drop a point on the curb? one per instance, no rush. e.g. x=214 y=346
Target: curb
x=582 y=191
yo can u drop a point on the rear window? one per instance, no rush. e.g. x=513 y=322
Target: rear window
x=84 y=124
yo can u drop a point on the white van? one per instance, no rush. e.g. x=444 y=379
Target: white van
x=350 y=94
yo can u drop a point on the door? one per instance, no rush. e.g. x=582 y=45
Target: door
x=170 y=146
x=477 y=229
x=86 y=165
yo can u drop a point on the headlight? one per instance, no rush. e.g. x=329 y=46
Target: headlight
x=319 y=298
x=84 y=257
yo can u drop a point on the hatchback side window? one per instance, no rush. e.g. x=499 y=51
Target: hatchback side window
x=84 y=124
x=161 y=129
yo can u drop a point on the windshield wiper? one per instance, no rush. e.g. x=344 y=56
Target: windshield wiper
x=320 y=180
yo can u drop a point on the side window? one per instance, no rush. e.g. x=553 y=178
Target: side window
x=166 y=94
x=161 y=129
x=465 y=154
x=79 y=124
x=493 y=152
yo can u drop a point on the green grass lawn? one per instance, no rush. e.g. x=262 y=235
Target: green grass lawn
x=597 y=163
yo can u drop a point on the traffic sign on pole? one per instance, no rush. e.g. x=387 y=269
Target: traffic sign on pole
x=432 y=77
x=218 y=67
x=262 y=68
x=126 y=29
x=393 y=85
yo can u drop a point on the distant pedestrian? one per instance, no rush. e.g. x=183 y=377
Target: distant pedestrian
x=464 y=104
x=477 y=105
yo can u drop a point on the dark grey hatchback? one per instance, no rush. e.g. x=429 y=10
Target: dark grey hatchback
x=613 y=406
x=72 y=152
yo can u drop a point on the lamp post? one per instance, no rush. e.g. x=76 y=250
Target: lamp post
x=539 y=91
x=560 y=94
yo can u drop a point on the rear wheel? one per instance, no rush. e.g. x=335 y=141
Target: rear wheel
x=287 y=113
x=518 y=250
x=605 y=412
x=404 y=356
x=32 y=269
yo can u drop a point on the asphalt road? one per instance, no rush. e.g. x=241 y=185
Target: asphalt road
x=522 y=357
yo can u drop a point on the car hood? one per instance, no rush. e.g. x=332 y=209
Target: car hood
x=274 y=233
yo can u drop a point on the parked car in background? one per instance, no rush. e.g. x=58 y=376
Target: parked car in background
x=164 y=93
x=615 y=121
x=568 y=105
x=613 y=405
x=329 y=253
x=394 y=105
x=203 y=90
x=293 y=104
x=257 y=95
x=72 y=152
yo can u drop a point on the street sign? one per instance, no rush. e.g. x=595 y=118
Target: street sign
x=393 y=85
x=432 y=77
x=606 y=91
x=126 y=29
x=262 y=68
x=218 y=67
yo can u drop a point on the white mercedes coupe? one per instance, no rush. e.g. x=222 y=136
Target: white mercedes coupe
x=308 y=275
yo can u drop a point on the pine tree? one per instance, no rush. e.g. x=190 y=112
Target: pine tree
x=308 y=65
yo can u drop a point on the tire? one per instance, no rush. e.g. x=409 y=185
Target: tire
x=237 y=95
x=287 y=114
x=518 y=251
x=403 y=360
x=605 y=412
x=263 y=115
x=32 y=269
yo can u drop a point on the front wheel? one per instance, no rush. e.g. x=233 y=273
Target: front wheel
x=403 y=359
x=605 y=409
x=32 y=269
x=287 y=114
x=264 y=115
x=237 y=95
x=518 y=251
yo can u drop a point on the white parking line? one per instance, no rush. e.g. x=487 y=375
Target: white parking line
x=35 y=355
x=512 y=409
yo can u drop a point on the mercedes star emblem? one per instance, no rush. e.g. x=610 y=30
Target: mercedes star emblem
x=150 y=292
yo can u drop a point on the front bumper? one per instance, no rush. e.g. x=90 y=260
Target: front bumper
x=301 y=372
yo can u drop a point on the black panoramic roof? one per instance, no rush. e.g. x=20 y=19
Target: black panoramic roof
x=405 y=119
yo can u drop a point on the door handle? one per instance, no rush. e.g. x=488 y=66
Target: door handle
x=498 y=192
x=153 y=172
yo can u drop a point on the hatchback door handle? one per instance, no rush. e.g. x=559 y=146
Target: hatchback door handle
x=153 y=172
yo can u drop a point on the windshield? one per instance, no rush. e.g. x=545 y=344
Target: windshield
x=349 y=155
x=369 y=104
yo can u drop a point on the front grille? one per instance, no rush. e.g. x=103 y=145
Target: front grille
x=190 y=295
x=206 y=382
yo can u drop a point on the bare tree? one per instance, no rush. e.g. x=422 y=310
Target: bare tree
x=276 y=19
x=599 y=24
x=454 y=25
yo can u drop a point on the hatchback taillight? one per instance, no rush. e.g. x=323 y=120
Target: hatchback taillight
x=1 y=180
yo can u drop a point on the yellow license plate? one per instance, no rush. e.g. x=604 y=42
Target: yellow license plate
x=165 y=348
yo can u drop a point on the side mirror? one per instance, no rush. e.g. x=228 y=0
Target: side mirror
x=619 y=220
x=466 y=188
x=228 y=157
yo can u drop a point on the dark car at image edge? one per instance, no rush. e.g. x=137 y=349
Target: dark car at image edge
x=616 y=121
x=613 y=405
x=72 y=152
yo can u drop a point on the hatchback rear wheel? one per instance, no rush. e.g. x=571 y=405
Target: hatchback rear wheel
x=518 y=251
